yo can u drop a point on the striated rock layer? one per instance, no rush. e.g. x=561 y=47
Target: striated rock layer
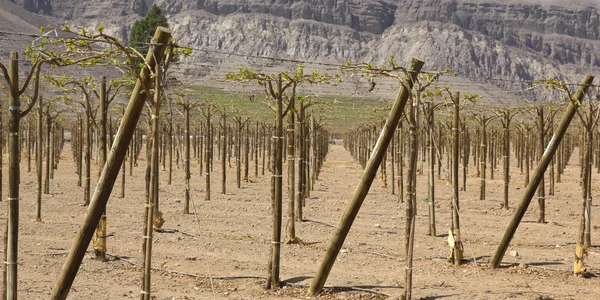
x=476 y=38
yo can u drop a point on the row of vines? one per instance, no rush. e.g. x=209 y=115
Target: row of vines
x=430 y=129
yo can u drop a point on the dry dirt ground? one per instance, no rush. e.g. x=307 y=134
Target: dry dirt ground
x=230 y=236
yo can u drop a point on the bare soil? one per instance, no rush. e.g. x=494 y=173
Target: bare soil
x=229 y=236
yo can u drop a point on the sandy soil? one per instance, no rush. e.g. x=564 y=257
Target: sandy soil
x=230 y=236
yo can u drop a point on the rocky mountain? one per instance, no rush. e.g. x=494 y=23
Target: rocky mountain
x=479 y=39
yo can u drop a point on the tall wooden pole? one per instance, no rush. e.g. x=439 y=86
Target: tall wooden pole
x=123 y=175
x=277 y=190
x=48 y=131
x=208 y=153
x=155 y=146
x=152 y=210
x=100 y=239
x=301 y=168
x=53 y=147
x=1 y=172
x=88 y=152
x=256 y=148
x=186 y=139
x=238 y=152
x=168 y=128
x=542 y=185
x=28 y=143
x=466 y=141
x=313 y=136
x=291 y=160
x=79 y=151
x=224 y=156
x=506 y=156
x=263 y=148
x=483 y=156
x=103 y=120
x=38 y=150
x=366 y=180
x=539 y=171
x=14 y=114
x=457 y=247
x=431 y=173
x=111 y=169
x=247 y=151
x=411 y=193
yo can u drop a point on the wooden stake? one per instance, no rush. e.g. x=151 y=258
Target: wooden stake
x=111 y=169
x=366 y=180
x=291 y=161
x=38 y=150
x=13 y=177
x=277 y=190
x=411 y=193
x=48 y=130
x=186 y=139
x=208 y=153
x=539 y=171
x=431 y=171
x=100 y=239
x=457 y=247
x=224 y=153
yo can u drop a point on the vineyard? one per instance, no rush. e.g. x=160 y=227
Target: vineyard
x=139 y=186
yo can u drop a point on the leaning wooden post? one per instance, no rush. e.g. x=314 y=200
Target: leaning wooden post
x=14 y=114
x=366 y=180
x=574 y=104
x=111 y=168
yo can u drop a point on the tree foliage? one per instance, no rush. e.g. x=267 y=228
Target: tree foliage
x=143 y=30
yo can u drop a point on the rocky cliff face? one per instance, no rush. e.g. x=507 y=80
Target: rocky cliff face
x=370 y=16
x=477 y=38
x=514 y=39
x=567 y=35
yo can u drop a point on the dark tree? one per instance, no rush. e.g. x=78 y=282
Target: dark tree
x=143 y=30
